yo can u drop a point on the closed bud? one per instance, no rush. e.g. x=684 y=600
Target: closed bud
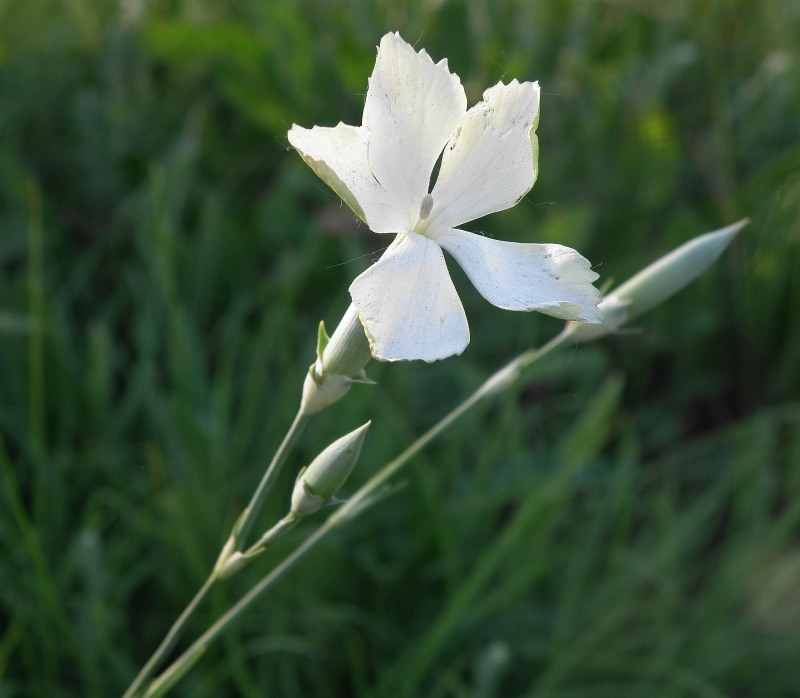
x=318 y=484
x=613 y=314
x=656 y=282
x=340 y=363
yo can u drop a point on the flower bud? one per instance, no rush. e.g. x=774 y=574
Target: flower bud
x=613 y=314
x=340 y=363
x=656 y=282
x=317 y=484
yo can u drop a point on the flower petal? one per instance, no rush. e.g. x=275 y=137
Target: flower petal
x=412 y=108
x=408 y=304
x=339 y=157
x=552 y=279
x=490 y=162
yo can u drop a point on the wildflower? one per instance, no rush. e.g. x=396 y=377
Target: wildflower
x=415 y=112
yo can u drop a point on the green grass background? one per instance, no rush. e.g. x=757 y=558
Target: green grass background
x=625 y=524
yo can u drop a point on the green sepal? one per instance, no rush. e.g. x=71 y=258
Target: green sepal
x=322 y=340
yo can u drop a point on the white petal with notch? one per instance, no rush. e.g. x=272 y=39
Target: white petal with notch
x=552 y=279
x=339 y=156
x=413 y=106
x=490 y=162
x=408 y=304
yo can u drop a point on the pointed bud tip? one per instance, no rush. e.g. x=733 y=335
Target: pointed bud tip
x=657 y=282
x=317 y=484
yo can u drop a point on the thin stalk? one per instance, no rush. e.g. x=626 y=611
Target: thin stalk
x=169 y=640
x=245 y=522
x=179 y=667
x=37 y=388
x=237 y=537
x=499 y=382
x=286 y=524
x=231 y=562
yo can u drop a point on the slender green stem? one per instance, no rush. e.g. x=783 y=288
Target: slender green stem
x=163 y=682
x=500 y=381
x=169 y=640
x=245 y=522
x=234 y=544
x=37 y=389
x=231 y=562
x=286 y=524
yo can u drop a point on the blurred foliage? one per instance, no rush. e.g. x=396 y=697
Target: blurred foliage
x=625 y=525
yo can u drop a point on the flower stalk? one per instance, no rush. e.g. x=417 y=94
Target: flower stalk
x=504 y=379
x=231 y=558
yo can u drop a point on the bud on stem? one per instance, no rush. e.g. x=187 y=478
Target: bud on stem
x=318 y=484
x=656 y=282
x=340 y=363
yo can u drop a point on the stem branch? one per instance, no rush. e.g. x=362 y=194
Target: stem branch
x=245 y=522
x=499 y=382
x=234 y=545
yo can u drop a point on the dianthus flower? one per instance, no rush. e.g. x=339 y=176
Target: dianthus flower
x=416 y=112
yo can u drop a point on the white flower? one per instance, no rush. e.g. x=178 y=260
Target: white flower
x=414 y=111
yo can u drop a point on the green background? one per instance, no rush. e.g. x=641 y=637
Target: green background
x=625 y=524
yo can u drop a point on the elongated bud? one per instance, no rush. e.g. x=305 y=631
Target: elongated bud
x=340 y=363
x=656 y=282
x=318 y=484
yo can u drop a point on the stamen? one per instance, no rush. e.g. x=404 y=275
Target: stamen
x=425 y=207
